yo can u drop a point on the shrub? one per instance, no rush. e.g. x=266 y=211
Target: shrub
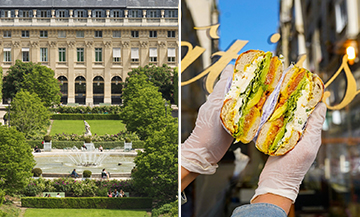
x=47 y=138
x=88 y=140
x=87 y=174
x=2 y=197
x=37 y=172
x=127 y=140
x=87 y=202
x=113 y=109
x=84 y=117
x=169 y=209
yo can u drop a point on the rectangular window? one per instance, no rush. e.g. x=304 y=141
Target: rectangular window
x=98 y=54
x=153 y=54
x=134 y=54
x=25 y=34
x=43 y=13
x=98 y=34
x=62 y=34
x=116 y=13
x=171 y=34
x=340 y=15
x=43 y=54
x=7 y=34
x=152 y=34
x=171 y=54
x=80 y=54
x=8 y=14
x=25 y=14
x=117 y=34
x=79 y=34
x=135 y=34
x=172 y=13
x=61 y=13
x=134 y=13
x=81 y=14
x=151 y=13
x=97 y=13
x=43 y=34
x=25 y=54
x=62 y=54
x=7 y=54
x=116 y=54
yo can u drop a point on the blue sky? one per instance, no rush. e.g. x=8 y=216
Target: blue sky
x=251 y=20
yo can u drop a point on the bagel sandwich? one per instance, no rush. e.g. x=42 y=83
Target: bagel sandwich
x=256 y=74
x=300 y=92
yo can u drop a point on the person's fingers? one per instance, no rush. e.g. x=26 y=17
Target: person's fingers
x=316 y=119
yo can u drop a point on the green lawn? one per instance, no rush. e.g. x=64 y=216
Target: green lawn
x=100 y=127
x=84 y=212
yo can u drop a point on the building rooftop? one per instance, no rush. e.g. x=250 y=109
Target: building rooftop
x=89 y=3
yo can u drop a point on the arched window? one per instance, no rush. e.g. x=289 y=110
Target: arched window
x=63 y=89
x=98 y=90
x=116 y=90
x=80 y=90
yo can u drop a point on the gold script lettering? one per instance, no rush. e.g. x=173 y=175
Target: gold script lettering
x=350 y=89
x=212 y=32
x=215 y=69
x=191 y=55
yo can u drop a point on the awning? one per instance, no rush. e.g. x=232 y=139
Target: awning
x=134 y=53
x=171 y=52
x=7 y=48
x=153 y=52
x=25 y=49
x=116 y=52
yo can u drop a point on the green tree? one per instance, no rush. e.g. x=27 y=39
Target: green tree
x=16 y=160
x=28 y=113
x=42 y=82
x=156 y=171
x=176 y=86
x=144 y=108
x=13 y=81
x=162 y=77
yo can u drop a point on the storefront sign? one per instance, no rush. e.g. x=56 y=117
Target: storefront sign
x=227 y=56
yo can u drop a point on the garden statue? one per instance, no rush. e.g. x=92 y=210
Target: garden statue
x=87 y=129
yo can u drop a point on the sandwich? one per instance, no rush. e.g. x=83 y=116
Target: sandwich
x=300 y=91
x=256 y=74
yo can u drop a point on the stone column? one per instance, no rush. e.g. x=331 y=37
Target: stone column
x=107 y=76
x=34 y=52
x=16 y=51
x=162 y=54
x=53 y=57
x=89 y=58
x=144 y=53
x=71 y=57
x=125 y=59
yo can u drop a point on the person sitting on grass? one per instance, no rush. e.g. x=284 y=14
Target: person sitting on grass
x=74 y=174
x=58 y=195
x=101 y=148
x=110 y=194
x=116 y=193
x=122 y=193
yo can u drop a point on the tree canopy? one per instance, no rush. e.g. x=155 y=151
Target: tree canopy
x=42 y=82
x=33 y=78
x=144 y=111
x=156 y=170
x=13 y=81
x=28 y=113
x=16 y=160
x=162 y=77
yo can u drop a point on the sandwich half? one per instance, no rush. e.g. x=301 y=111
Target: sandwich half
x=300 y=92
x=256 y=74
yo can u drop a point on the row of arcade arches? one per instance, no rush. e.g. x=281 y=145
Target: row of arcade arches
x=98 y=90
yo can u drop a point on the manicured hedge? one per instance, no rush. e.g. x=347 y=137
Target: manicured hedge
x=113 y=109
x=78 y=144
x=87 y=202
x=85 y=117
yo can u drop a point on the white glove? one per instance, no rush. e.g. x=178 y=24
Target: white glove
x=209 y=141
x=282 y=175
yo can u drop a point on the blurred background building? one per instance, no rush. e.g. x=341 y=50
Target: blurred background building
x=325 y=31
x=90 y=44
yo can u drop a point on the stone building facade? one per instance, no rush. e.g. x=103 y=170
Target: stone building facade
x=90 y=44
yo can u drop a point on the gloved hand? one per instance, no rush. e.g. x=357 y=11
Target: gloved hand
x=282 y=175
x=209 y=141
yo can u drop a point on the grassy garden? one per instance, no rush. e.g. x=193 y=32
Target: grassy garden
x=100 y=127
x=84 y=212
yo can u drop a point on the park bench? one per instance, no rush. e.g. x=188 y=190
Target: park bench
x=53 y=194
